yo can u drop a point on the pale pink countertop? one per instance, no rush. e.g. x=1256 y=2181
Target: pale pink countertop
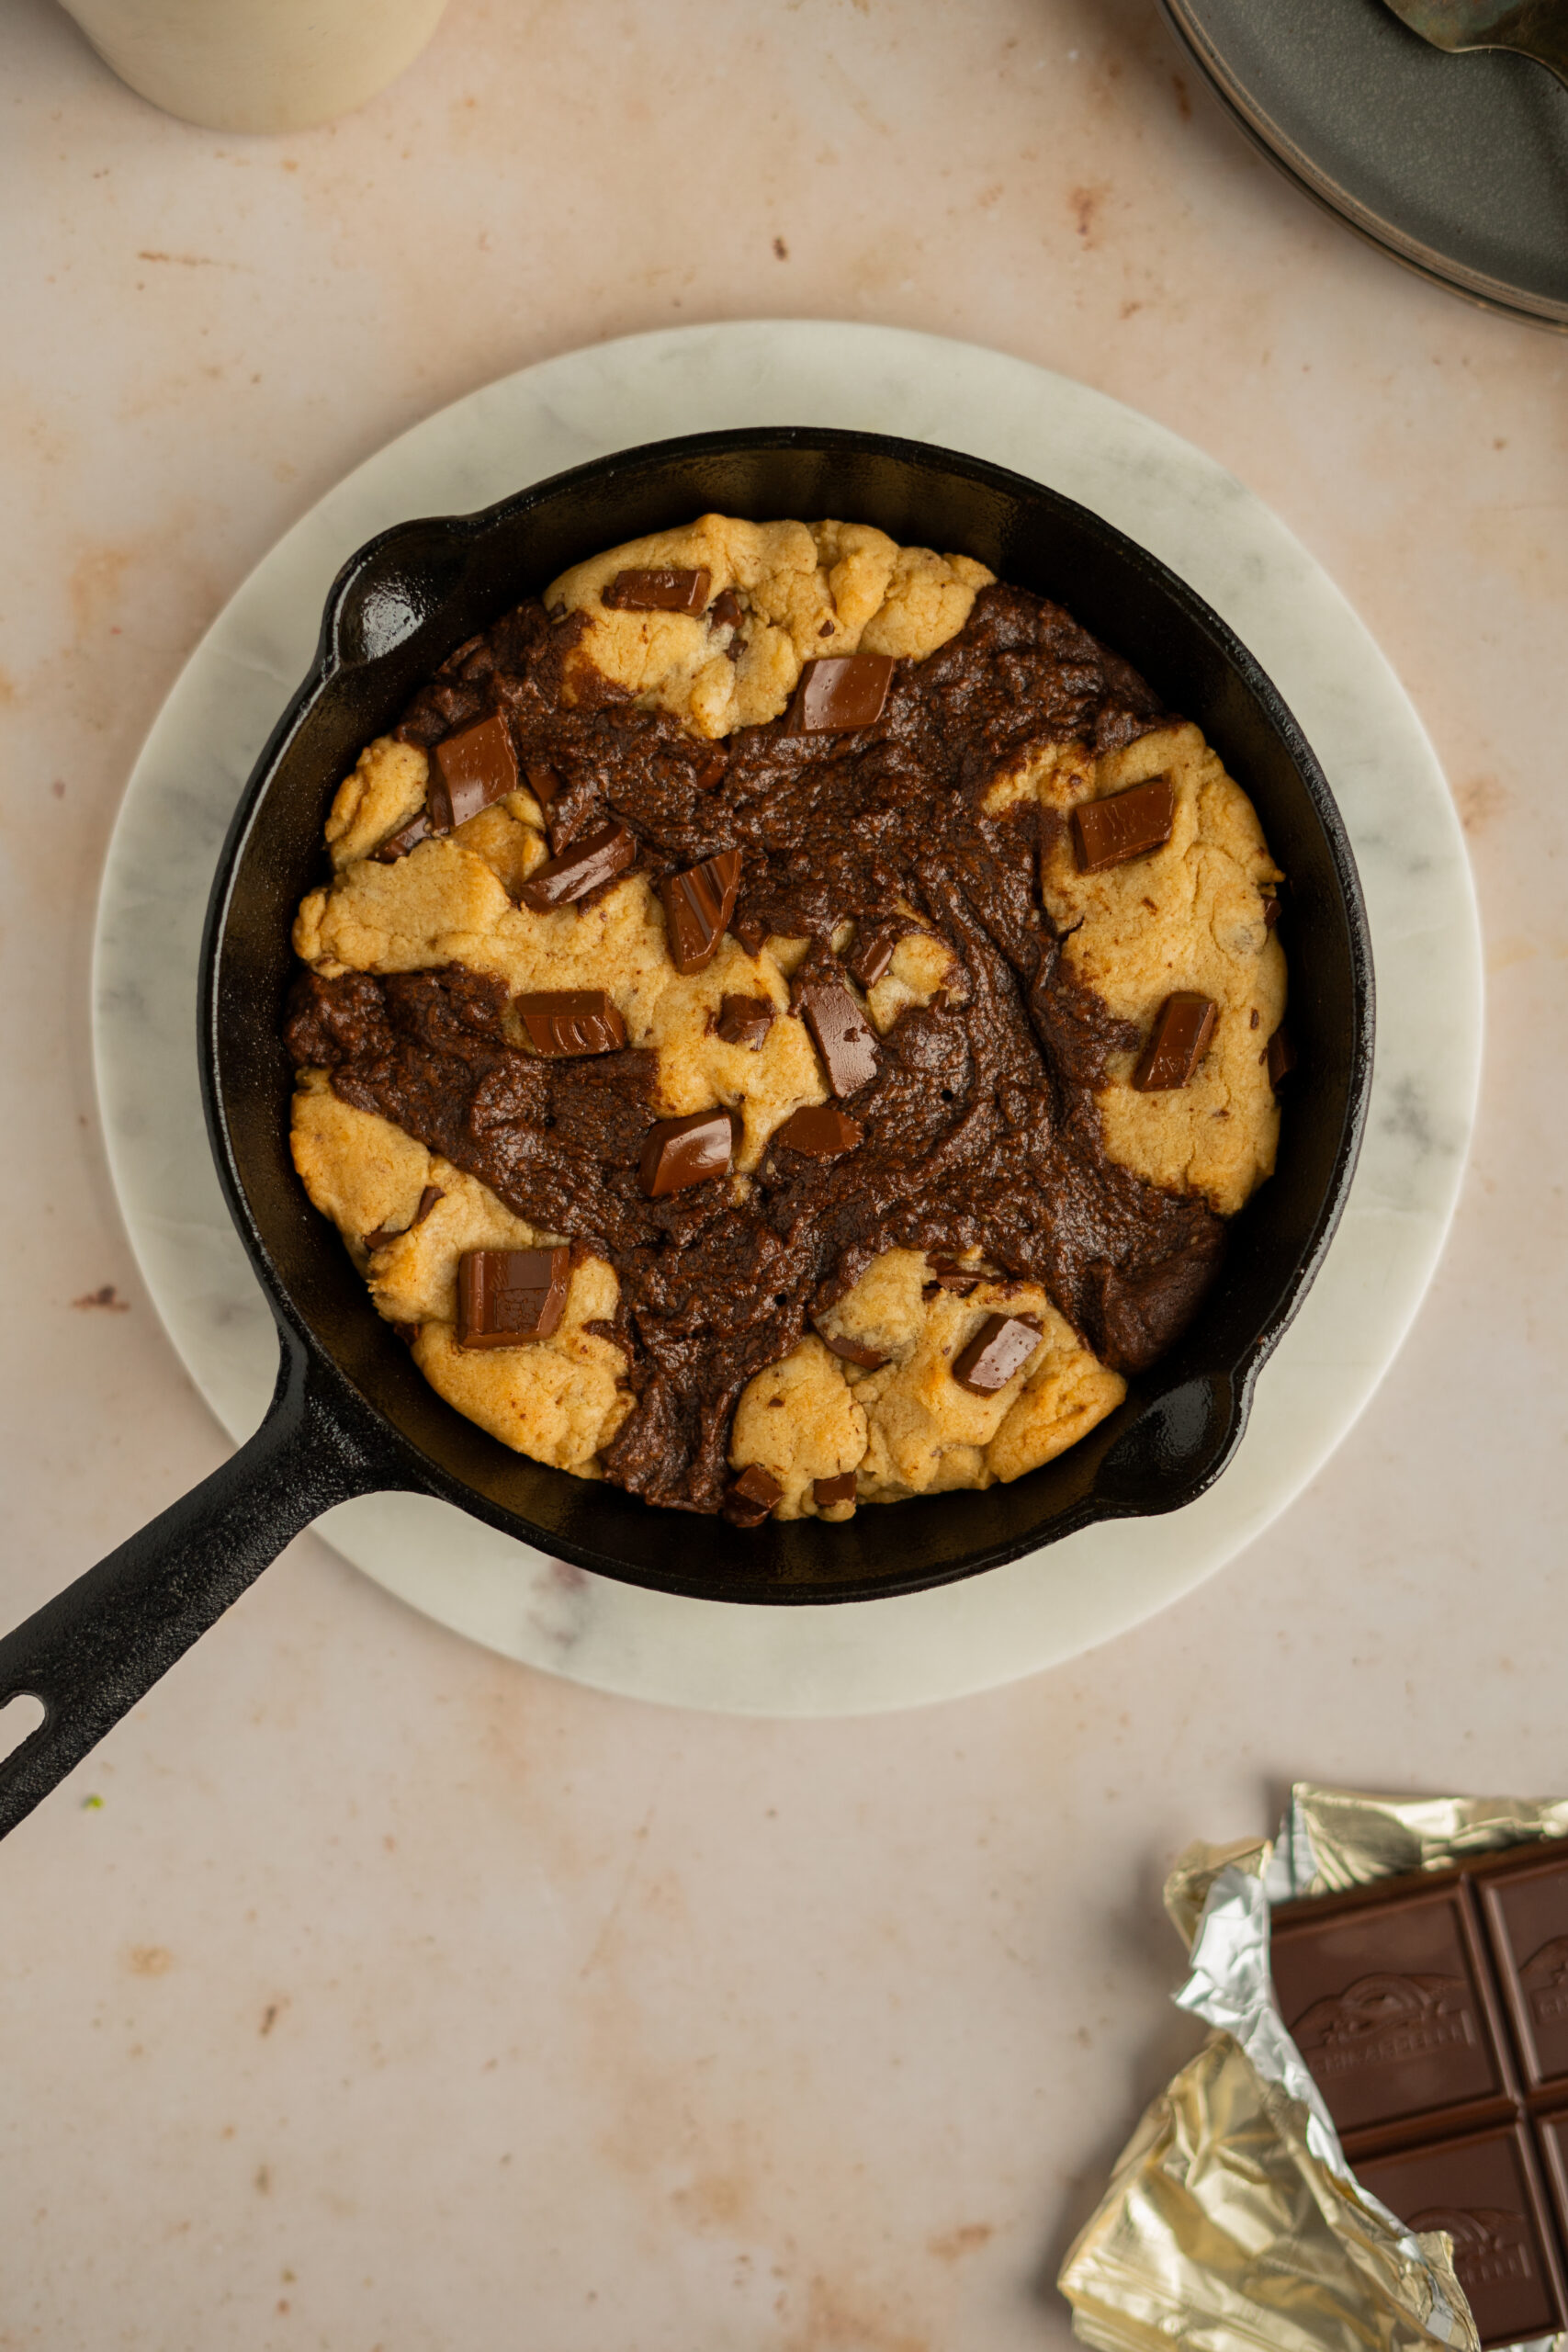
x=395 y=1996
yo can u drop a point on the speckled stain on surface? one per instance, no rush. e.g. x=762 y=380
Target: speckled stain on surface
x=870 y=1985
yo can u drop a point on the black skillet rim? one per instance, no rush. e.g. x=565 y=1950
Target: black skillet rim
x=407 y=1467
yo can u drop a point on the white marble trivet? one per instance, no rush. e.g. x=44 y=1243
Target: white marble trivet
x=969 y=1636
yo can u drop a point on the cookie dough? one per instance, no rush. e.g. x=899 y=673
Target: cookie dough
x=794 y=1318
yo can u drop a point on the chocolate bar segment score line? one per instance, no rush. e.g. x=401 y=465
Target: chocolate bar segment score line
x=839 y=691
x=507 y=1296
x=468 y=772
x=842 y=1033
x=1127 y=825
x=598 y=857
x=571 y=1021
x=658 y=590
x=697 y=907
x=1392 y=2007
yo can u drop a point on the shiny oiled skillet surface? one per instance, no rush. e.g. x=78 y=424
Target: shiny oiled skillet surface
x=352 y=1416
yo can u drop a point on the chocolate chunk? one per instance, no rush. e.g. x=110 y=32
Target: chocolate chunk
x=506 y=1296
x=727 y=610
x=745 y=1020
x=385 y=1233
x=597 y=858
x=752 y=1497
x=1002 y=1345
x=1280 y=1056
x=826 y=1492
x=1273 y=907
x=870 y=1359
x=407 y=836
x=752 y=934
x=946 y=1275
x=697 y=907
x=679 y=1152
x=711 y=774
x=1485 y=2191
x=843 y=1035
x=871 y=955
x=470 y=770
x=572 y=1021
x=819 y=1131
x=1128 y=825
x=840 y=691
x=656 y=591
x=544 y=783
x=407 y=1333
x=1176 y=1044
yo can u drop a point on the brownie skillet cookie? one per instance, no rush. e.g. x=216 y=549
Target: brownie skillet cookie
x=788 y=1021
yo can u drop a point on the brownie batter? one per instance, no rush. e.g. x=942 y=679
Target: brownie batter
x=979 y=1126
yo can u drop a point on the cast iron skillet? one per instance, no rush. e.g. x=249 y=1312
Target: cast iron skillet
x=352 y=1416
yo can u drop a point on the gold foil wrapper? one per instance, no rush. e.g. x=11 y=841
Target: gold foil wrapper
x=1232 y=2222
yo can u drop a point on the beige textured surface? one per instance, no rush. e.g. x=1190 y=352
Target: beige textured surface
x=566 y=2022
x=1188 y=916
x=804 y=590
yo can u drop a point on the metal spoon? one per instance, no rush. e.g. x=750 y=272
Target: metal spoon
x=1537 y=29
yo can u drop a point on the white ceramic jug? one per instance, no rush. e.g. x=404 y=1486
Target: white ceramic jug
x=257 y=64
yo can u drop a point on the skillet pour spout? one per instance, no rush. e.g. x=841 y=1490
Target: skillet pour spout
x=351 y=1413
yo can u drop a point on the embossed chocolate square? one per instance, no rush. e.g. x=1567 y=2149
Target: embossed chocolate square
x=1390 y=2005
x=1485 y=2191
x=1526 y=1910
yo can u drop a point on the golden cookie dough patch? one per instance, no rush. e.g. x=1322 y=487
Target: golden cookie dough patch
x=804 y=590
x=1190 y=916
x=909 y=1426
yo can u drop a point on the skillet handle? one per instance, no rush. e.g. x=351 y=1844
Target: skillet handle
x=91 y=1653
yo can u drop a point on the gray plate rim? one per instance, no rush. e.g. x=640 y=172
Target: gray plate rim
x=1299 y=167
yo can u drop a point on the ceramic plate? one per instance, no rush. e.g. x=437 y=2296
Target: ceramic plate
x=1034 y=1611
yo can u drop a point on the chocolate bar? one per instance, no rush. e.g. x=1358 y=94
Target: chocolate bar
x=1127 y=825
x=871 y=955
x=826 y=1492
x=507 y=1296
x=572 y=1021
x=752 y=1497
x=470 y=770
x=1177 y=1043
x=1002 y=1346
x=697 y=908
x=839 y=691
x=819 y=1131
x=843 y=1036
x=1433 y=2013
x=598 y=857
x=745 y=1020
x=678 y=1152
x=660 y=591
